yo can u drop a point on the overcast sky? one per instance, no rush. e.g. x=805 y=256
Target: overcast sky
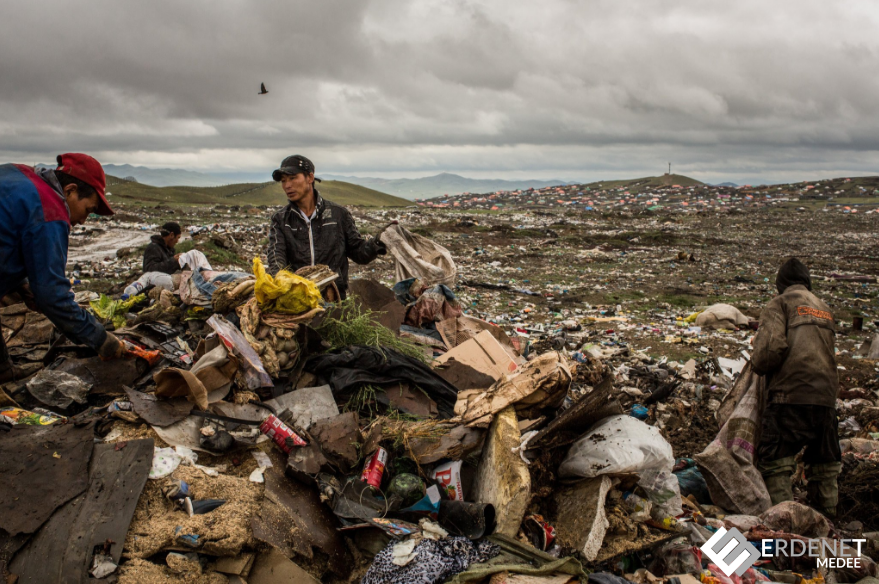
x=578 y=90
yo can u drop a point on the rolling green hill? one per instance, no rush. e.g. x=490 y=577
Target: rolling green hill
x=269 y=193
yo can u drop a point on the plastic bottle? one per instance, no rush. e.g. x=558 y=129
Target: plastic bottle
x=132 y=290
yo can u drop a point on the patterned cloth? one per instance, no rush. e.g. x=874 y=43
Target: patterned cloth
x=434 y=561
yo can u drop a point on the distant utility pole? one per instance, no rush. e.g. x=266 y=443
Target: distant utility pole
x=669 y=167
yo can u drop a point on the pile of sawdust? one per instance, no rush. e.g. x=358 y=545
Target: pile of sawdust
x=140 y=431
x=222 y=532
x=137 y=571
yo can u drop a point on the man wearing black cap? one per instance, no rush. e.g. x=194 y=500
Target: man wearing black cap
x=311 y=230
x=794 y=349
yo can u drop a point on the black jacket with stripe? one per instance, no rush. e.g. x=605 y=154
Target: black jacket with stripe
x=329 y=239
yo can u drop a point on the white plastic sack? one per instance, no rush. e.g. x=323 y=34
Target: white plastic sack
x=618 y=444
x=721 y=316
x=418 y=257
x=194 y=259
x=623 y=444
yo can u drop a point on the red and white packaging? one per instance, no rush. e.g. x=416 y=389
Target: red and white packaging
x=448 y=476
x=374 y=468
x=278 y=431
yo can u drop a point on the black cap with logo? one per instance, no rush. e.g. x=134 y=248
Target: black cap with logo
x=294 y=165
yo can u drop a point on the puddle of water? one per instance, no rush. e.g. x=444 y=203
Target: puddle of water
x=98 y=247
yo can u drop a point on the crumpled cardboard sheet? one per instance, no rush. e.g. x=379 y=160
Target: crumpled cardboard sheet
x=483 y=353
x=208 y=381
x=541 y=383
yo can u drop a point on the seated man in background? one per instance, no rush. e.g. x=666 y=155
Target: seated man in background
x=311 y=230
x=159 y=255
x=37 y=209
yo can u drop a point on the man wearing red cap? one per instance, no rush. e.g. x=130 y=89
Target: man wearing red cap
x=37 y=209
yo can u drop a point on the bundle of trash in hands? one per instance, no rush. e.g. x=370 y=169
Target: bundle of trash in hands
x=263 y=429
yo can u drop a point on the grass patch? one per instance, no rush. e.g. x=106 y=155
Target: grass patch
x=680 y=300
x=350 y=325
x=528 y=233
x=363 y=401
x=633 y=296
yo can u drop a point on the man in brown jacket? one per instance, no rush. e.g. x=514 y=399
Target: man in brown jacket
x=793 y=348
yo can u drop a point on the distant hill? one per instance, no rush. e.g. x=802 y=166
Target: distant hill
x=268 y=193
x=727 y=184
x=441 y=184
x=636 y=185
x=164 y=177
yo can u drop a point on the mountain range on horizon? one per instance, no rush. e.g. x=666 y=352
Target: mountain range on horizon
x=441 y=184
x=428 y=187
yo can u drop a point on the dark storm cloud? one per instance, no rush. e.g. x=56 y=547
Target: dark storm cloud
x=573 y=88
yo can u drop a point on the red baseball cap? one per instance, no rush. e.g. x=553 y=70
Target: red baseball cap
x=89 y=171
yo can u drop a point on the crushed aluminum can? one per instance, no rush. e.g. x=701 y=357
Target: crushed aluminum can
x=278 y=431
x=374 y=468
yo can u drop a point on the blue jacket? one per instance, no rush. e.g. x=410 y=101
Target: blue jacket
x=34 y=227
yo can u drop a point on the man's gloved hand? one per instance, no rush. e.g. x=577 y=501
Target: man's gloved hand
x=111 y=349
x=27 y=296
x=381 y=248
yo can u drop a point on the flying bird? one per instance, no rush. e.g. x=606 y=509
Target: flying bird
x=262 y=89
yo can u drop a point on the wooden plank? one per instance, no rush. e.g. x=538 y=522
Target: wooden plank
x=43 y=468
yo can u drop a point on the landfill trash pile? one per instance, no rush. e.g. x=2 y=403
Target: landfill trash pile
x=540 y=396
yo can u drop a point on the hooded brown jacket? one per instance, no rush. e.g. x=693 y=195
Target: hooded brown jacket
x=793 y=348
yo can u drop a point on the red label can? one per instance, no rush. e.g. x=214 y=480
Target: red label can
x=374 y=468
x=278 y=431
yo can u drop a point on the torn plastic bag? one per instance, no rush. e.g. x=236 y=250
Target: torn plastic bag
x=57 y=388
x=418 y=257
x=348 y=369
x=254 y=373
x=285 y=292
x=623 y=444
